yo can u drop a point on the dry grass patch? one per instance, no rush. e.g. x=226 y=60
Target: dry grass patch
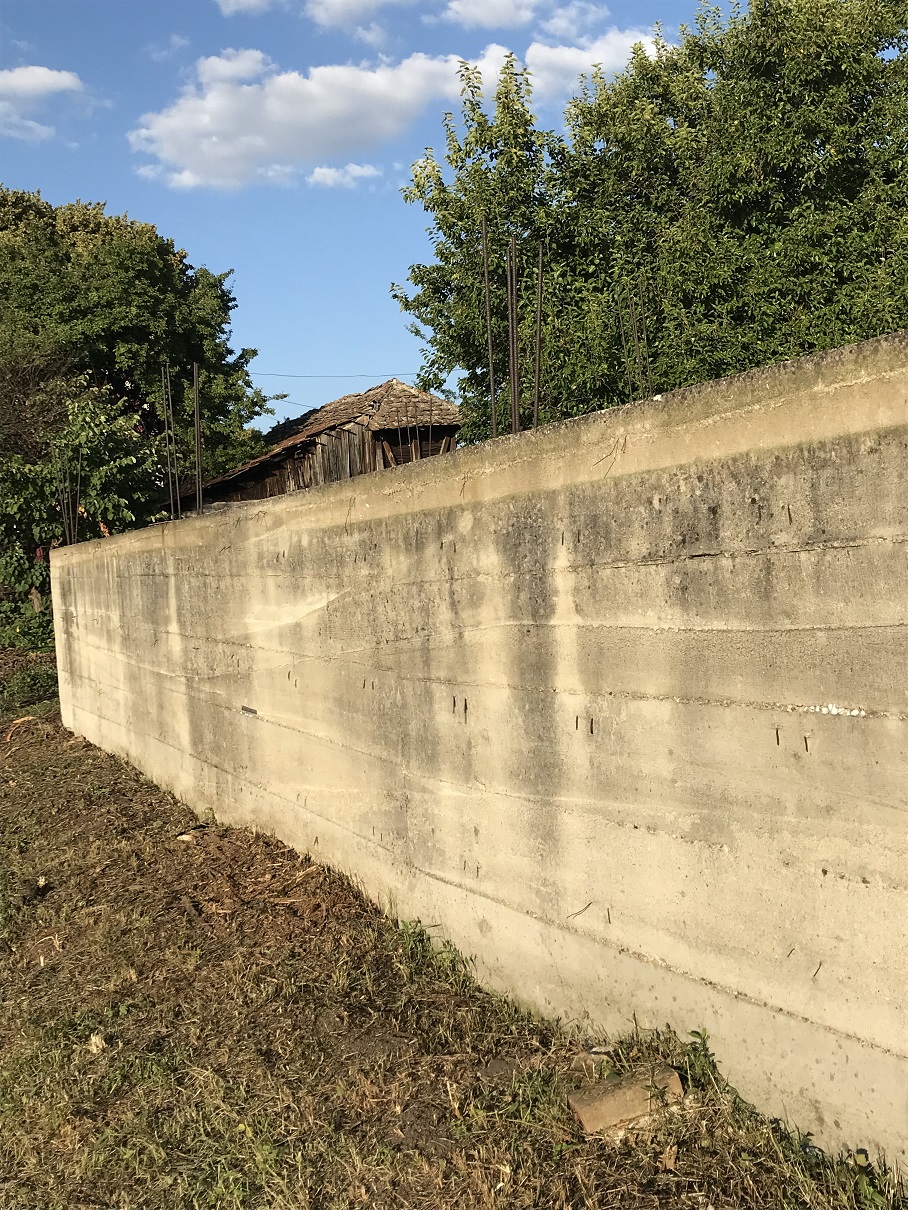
x=199 y=1017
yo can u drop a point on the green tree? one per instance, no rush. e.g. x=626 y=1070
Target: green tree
x=500 y=170
x=732 y=200
x=92 y=306
x=94 y=473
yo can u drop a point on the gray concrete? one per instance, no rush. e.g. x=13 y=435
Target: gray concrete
x=622 y=705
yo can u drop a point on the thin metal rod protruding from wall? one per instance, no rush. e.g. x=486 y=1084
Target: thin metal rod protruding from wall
x=429 y=449
x=649 y=376
x=173 y=442
x=488 y=293
x=641 y=369
x=510 y=311
x=77 y=502
x=198 y=438
x=513 y=324
x=538 y=366
x=167 y=441
x=627 y=359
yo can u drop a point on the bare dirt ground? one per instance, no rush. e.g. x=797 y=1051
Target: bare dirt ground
x=192 y=1016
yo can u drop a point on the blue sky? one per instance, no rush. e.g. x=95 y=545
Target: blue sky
x=273 y=137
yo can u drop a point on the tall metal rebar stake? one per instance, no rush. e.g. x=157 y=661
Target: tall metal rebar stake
x=78 y=494
x=649 y=376
x=515 y=280
x=515 y=352
x=538 y=366
x=627 y=357
x=167 y=440
x=429 y=452
x=198 y=439
x=632 y=308
x=63 y=483
x=485 y=273
x=72 y=504
x=69 y=504
x=510 y=305
x=407 y=419
x=58 y=480
x=173 y=443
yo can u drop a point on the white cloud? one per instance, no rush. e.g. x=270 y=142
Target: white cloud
x=490 y=14
x=490 y=63
x=555 y=70
x=161 y=53
x=232 y=66
x=14 y=126
x=372 y=34
x=574 y=20
x=22 y=90
x=242 y=120
x=342 y=178
x=231 y=7
x=30 y=83
x=348 y=14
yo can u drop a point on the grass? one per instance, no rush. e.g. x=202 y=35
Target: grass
x=192 y=1016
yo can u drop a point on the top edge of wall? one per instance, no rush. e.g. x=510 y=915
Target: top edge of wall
x=866 y=360
x=761 y=389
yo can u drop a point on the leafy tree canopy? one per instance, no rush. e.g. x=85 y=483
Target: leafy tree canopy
x=732 y=200
x=91 y=306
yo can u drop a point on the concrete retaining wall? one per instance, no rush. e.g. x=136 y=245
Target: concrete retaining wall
x=622 y=705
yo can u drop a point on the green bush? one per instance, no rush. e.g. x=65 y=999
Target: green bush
x=22 y=628
x=28 y=686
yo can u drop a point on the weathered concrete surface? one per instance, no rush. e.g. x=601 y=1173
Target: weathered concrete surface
x=621 y=704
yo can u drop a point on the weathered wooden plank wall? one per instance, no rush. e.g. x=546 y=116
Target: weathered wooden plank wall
x=342 y=453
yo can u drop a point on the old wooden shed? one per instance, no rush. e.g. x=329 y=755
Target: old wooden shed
x=385 y=426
